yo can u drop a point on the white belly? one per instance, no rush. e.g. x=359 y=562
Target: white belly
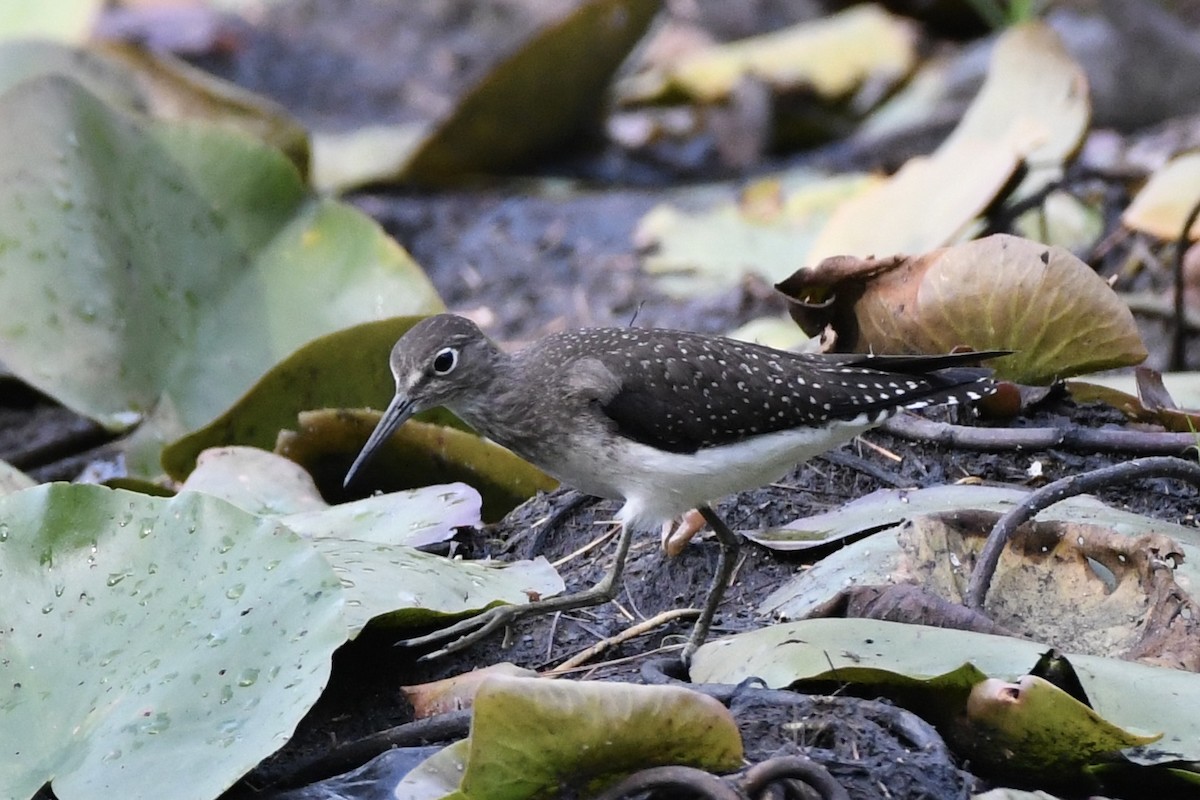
x=658 y=486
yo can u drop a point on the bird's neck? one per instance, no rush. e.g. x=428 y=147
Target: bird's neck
x=506 y=411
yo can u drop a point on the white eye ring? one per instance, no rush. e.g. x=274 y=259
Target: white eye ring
x=445 y=361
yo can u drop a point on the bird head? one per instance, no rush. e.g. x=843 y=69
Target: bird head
x=440 y=361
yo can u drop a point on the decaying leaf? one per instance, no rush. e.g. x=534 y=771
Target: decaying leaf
x=1112 y=569
x=1152 y=402
x=706 y=251
x=906 y=602
x=458 y=691
x=536 y=734
x=1001 y=293
x=933 y=670
x=1039 y=728
x=833 y=56
x=1163 y=204
x=1032 y=110
x=535 y=99
x=1034 y=107
x=1077 y=586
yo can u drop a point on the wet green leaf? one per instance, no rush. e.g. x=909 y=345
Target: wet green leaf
x=158 y=86
x=530 y=737
x=346 y=368
x=156 y=270
x=370 y=543
x=145 y=639
x=933 y=670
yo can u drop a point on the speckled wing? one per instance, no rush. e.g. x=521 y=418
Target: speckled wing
x=681 y=392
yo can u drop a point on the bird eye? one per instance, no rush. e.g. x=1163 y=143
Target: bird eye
x=445 y=361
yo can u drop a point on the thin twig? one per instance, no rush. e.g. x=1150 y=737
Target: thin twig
x=883 y=451
x=592 y=545
x=1051 y=493
x=850 y=461
x=632 y=632
x=1092 y=440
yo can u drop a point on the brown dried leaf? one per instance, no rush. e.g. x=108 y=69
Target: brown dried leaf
x=907 y=603
x=1162 y=206
x=1032 y=110
x=998 y=293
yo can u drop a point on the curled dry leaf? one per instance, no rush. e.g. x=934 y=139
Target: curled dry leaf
x=458 y=691
x=1037 y=728
x=997 y=293
x=908 y=603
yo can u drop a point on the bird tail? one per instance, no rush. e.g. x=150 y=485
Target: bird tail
x=920 y=364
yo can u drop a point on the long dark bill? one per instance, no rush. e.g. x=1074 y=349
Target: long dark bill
x=397 y=413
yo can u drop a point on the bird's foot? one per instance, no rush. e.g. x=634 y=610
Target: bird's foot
x=676 y=537
x=467 y=632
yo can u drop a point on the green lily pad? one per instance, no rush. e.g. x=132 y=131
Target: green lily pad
x=346 y=368
x=145 y=639
x=530 y=737
x=533 y=101
x=888 y=654
x=396 y=586
x=418 y=454
x=147 y=267
x=158 y=86
x=370 y=543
